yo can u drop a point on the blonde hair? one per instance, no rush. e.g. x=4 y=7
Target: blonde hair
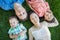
x=18 y=6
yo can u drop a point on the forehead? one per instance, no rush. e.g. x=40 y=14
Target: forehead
x=13 y=19
x=17 y=6
x=33 y=15
x=48 y=13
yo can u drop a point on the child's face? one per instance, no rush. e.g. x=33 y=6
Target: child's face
x=34 y=19
x=13 y=22
x=20 y=12
x=48 y=16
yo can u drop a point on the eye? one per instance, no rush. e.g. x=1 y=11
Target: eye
x=35 y=17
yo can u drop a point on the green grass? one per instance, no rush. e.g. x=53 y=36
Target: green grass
x=4 y=23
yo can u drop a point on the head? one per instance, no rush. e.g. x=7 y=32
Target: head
x=20 y=11
x=34 y=19
x=48 y=16
x=13 y=21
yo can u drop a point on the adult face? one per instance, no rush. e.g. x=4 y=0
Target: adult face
x=34 y=19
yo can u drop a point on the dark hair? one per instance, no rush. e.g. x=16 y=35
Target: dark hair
x=41 y=19
x=12 y=17
x=30 y=12
x=52 y=21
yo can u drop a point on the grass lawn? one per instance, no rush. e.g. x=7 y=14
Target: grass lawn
x=4 y=23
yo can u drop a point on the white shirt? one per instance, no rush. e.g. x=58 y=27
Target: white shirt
x=42 y=34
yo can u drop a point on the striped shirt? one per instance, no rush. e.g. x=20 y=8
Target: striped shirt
x=19 y=28
x=39 y=6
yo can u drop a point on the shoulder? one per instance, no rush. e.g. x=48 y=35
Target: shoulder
x=44 y=23
x=10 y=31
x=21 y=25
x=31 y=29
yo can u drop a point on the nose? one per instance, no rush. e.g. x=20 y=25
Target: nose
x=35 y=20
x=12 y=24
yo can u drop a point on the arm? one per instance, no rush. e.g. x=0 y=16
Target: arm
x=13 y=36
x=47 y=5
x=23 y=32
x=29 y=5
x=53 y=24
x=30 y=35
x=23 y=28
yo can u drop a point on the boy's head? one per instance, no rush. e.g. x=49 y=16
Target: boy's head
x=48 y=15
x=13 y=21
x=20 y=11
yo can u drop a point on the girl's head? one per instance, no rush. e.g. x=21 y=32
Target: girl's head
x=20 y=11
x=34 y=19
x=13 y=21
x=48 y=16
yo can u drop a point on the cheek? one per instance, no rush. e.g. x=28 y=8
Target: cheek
x=32 y=21
x=50 y=16
x=17 y=13
x=15 y=24
x=46 y=17
x=11 y=24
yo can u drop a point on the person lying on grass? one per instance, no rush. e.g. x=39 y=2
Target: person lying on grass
x=40 y=30
x=20 y=11
x=17 y=30
x=38 y=6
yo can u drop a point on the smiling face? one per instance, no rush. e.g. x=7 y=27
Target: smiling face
x=48 y=16
x=34 y=19
x=13 y=22
x=20 y=11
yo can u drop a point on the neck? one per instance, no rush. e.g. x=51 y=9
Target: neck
x=37 y=26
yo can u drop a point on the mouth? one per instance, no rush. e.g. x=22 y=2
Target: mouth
x=12 y=25
x=23 y=19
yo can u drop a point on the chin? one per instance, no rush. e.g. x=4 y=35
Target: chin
x=49 y=20
x=23 y=19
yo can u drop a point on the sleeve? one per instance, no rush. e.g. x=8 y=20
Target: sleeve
x=22 y=27
x=30 y=35
x=9 y=32
x=53 y=24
